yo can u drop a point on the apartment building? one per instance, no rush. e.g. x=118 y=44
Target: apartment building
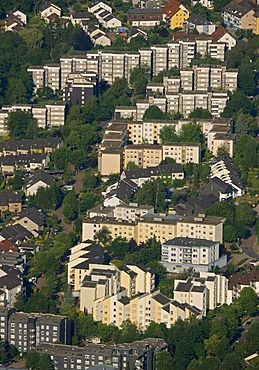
x=225 y=141
x=27 y=330
x=79 y=87
x=143 y=155
x=182 y=152
x=49 y=115
x=201 y=227
x=52 y=76
x=142 y=310
x=131 y=211
x=38 y=75
x=204 y=290
x=239 y=15
x=182 y=254
x=82 y=257
x=139 y=354
x=163 y=227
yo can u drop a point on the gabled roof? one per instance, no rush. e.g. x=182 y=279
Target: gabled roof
x=16 y=233
x=36 y=215
x=197 y=20
x=11 y=277
x=172 y=8
x=81 y=15
x=37 y=176
x=219 y=33
x=7 y=197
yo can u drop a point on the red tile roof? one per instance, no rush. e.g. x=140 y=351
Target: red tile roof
x=171 y=8
x=218 y=33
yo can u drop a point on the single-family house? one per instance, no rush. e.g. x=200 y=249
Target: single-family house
x=48 y=9
x=200 y=24
x=175 y=13
x=39 y=179
x=221 y=34
x=32 y=219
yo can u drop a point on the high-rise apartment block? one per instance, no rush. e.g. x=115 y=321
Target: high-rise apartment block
x=27 y=330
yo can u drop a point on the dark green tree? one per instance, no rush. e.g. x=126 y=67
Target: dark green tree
x=21 y=125
x=168 y=134
x=190 y=133
x=164 y=361
x=200 y=113
x=153 y=112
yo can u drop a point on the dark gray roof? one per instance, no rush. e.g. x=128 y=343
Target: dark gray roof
x=95 y=254
x=165 y=169
x=160 y=298
x=124 y=300
x=15 y=233
x=39 y=175
x=36 y=215
x=145 y=11
x=190 y=242
x=238 y=9
x=7 y=197
x=81 y=15
x=12 y=278
x=197 y=20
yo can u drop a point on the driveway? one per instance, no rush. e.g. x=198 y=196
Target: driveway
x=249 y=247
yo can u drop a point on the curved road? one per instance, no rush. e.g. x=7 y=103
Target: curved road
x=248 y=247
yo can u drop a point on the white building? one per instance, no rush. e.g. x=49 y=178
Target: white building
x=182 y=254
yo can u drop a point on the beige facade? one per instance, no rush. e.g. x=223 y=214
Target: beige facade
x=208 y=227
x=142 y=310
x=143 y=155
x=131 y=211
x=110 y=161
x=161 y=226
x=204 y=290
x=182 y=152
x=225 y=141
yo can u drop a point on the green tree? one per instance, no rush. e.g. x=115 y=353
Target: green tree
x=103 y=236
x=190 y=133
x=131 y=166
x=118 y=248
x=45 y=362
x=247 y=301
x=21 y=125
x=153 y=112
x=45 y=92
x=245 y=124
x=164 y=361
x=33 y=37
x=245 y=214
x=246 y=78
x=32 y=360
x=223 y=209
x=139 y=78
x=16 y=91
x=229 y=234
x=216 y=346
x=70 y=207
x=238 y=101
x=152 y=193
x=168 y=134
x=200 y=113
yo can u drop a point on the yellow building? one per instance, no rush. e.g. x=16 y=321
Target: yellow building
x=256 y=23
x=175 y=13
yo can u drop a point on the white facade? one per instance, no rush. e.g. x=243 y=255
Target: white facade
x=181 y=254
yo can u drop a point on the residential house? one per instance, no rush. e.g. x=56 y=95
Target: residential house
x=28 y=162
x=186 y=254
x=145 y=17
x=10 y=201
x=221 y=34
x=239 y=15
x=95 y=5
x=48 y=10
x=32 y=219
x=16 y=234
x=15 y=21
x=219 y=188
x=79 y=18
x=168 y=172
x=226 y=170
x=11 y=284
x=200 y=24
x=175 y=13
x=205 y=3
x=240 y=280
x=39 y=179
x=119 y=192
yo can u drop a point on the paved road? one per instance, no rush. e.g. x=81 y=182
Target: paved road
x=248 y=247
